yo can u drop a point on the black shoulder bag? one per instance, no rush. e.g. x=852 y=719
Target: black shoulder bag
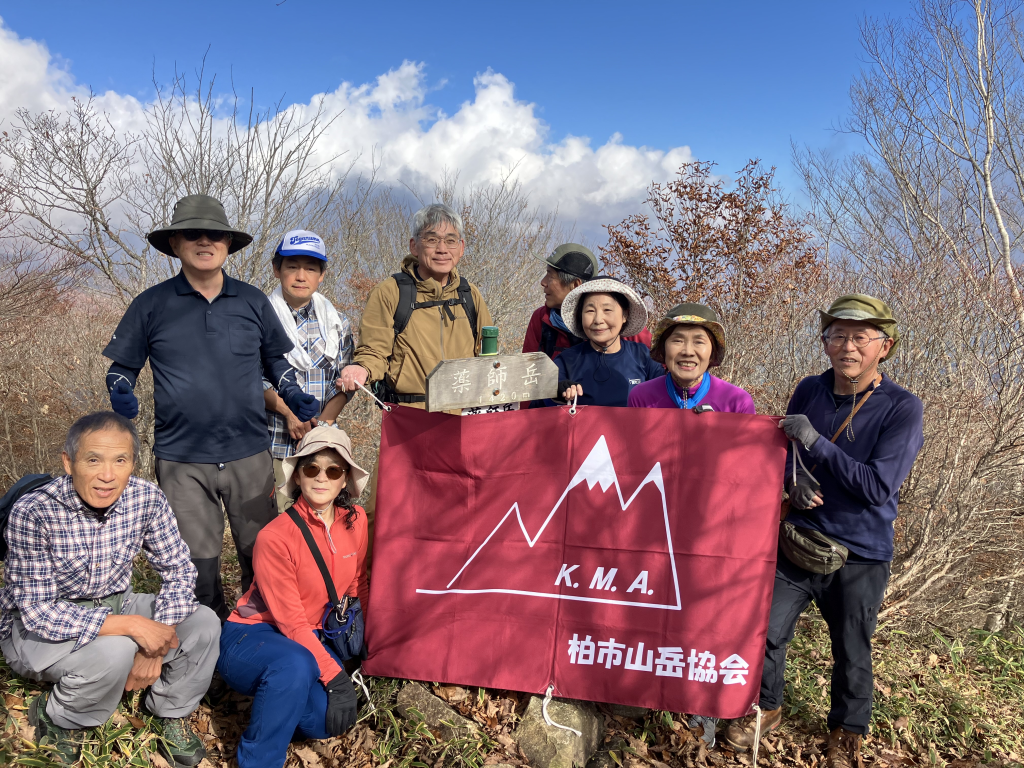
x=342 y=623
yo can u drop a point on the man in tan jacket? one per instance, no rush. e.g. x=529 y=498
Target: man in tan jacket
x=400 y=342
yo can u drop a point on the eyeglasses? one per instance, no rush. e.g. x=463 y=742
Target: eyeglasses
x=432 y=241
x=860 y=340
x=333 y=472
x=213 y=235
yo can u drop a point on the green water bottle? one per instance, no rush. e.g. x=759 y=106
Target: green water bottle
x=489 y=342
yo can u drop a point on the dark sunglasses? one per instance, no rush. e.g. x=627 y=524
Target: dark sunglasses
x=213 y=235
x=312 y=471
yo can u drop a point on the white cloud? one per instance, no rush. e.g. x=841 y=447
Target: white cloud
x=413 y=141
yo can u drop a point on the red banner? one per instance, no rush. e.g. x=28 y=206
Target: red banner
x=623 y=555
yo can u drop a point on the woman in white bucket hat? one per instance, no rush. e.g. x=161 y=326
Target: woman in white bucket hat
x=603 y=369
x=271 y=645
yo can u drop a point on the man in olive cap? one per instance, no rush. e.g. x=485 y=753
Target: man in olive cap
x=210 y=339
x=568 y=266
x=848 y=495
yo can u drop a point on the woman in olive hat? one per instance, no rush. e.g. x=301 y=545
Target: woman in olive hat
x=603 y=370
x=689 y=340
x=271 y=646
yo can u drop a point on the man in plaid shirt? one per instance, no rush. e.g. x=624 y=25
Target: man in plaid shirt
x=68 y=614
x=323 y=345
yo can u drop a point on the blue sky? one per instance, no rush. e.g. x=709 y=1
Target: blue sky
x=728 y=80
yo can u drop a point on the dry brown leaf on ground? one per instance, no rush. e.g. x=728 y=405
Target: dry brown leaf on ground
x=25 y=731
x=505 y=740
x=453 y=694
x=13 y=702
x=639 y=747
x=309 y=758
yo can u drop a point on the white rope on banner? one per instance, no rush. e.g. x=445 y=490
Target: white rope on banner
x=357 y=678
x=380 y=402
x=547 y=717
x=572 y=408
x=757 y=734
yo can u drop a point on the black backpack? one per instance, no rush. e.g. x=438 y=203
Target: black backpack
x=26 y=484
x=549 y=336
x=407 y=302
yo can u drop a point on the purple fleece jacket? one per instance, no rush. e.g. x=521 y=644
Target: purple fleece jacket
x=722 y=396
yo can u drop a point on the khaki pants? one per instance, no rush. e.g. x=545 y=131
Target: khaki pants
x=283 y=500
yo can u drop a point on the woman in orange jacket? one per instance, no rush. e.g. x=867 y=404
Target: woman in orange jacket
x=271 y=645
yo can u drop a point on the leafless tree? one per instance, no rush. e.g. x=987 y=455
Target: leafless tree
x=930 y=215
x=86 y=190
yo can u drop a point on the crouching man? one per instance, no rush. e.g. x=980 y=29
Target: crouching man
x=68 y=614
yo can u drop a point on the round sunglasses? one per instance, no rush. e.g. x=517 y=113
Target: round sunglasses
x=312 y=471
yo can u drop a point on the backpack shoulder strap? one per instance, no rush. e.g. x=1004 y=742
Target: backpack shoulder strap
x=466 y=293
x=547 y=339
x=406 y=300
x=332 y=593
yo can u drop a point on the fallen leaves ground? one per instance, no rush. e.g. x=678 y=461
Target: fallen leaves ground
x=939 y=701
x=951 y=703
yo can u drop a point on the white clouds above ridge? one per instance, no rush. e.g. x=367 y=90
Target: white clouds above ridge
x=414 y=142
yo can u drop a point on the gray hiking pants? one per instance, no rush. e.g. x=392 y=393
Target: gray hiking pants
x=195 y=493
x=90 y=681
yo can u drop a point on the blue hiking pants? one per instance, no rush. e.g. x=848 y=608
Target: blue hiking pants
x=284 y=680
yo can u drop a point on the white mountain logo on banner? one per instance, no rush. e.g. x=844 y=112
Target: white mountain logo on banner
x=603 y=548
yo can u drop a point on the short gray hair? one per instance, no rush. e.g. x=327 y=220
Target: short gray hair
x=567 y=278
x=97 y=422
x=432 y=215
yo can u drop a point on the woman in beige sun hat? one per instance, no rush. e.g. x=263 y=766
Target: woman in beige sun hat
x=271 y=646
x=603 y=369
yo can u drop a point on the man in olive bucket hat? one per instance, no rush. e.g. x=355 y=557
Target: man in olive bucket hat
x=210 y=339
x=848 y=476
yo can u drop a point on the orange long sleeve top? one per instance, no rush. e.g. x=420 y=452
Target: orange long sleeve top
x=288 y=590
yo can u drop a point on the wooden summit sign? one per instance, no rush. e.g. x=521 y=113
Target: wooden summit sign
x=492 y=380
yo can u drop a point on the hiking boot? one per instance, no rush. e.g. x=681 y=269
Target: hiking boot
x=843 y=750
x=178 y=742
x=63 y=743
x=740 y=733
x=218 y=689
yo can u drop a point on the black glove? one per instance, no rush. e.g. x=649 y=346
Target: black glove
x=123 y=400
x=801 y=496
x=304 y=406
x=564 y=384
x=342 y=704
x=798 y=427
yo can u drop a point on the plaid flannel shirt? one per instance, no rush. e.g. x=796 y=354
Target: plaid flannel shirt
x=318 y=382
x=57 y=552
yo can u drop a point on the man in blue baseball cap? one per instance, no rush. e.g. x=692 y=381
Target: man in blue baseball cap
x=323 y=345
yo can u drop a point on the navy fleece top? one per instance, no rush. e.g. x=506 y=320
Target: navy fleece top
x=607 y=378
x=860 y=480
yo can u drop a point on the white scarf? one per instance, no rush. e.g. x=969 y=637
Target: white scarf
x=330 y=326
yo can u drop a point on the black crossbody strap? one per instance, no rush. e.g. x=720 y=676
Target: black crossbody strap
x=307 y=534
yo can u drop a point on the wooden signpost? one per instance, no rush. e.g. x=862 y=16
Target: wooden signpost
x=492 y=382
